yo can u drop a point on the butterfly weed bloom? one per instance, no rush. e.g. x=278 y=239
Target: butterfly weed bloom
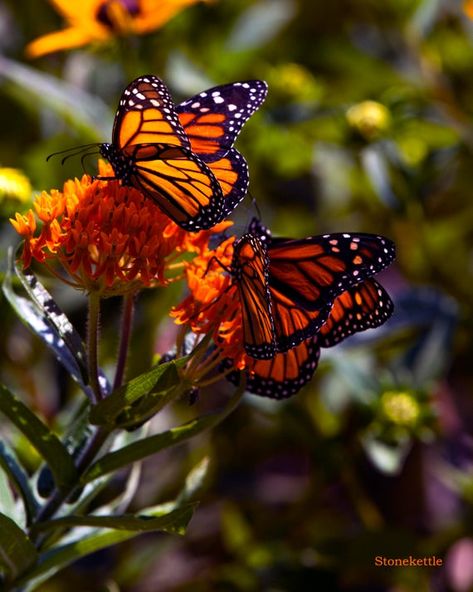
x=97 y=21
x=109 y=239
x=212 y=308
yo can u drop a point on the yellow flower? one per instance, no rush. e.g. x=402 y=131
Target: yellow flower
x=14 y=185
x=400 y=407
x=369 y=118
x=109 y=238
x=96 y=21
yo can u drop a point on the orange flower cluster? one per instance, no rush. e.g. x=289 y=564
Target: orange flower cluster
x=213 y=305
x=110 y=239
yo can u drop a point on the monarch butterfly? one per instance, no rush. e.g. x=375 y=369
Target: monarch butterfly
x=182 y=156
x=366 y=305
x=305 y=276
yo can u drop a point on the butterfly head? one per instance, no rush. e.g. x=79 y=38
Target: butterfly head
x=120 y=163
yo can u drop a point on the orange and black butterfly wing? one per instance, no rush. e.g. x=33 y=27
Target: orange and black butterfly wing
x=249 y=271
x=294 y=324
x=313 y=271
x=151 y=152
x=213 y=119
x=147 y=115
x=283 y=375
x=364 y=306
x=180 y=184
x=231 y=172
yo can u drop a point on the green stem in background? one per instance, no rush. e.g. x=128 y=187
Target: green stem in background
x=92 y=344
x=125 y=332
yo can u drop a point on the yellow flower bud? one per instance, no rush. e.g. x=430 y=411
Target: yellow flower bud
x=369 y=118
x=400 y=407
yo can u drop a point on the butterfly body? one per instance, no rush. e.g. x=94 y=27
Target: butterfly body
x=249 y=269
x=182 y=156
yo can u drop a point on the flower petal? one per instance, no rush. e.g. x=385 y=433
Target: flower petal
x=65 y=39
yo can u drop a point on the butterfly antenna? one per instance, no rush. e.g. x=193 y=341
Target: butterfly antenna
x=254 y=203
x=84 y=156
x=74 y=149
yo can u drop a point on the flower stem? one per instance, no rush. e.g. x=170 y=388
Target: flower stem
x=125 y=332
x=92 y=344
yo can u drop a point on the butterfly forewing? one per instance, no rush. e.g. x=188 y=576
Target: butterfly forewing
x=314 y=271
x=292 y=323
x=213 y=119
x=249 y=270
x=364 y=306
x=147 y=115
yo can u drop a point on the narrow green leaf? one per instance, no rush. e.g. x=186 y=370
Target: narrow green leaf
x=40 y=436
x=7 y=499
x=151 y=445
x=194 y=481
x=122 y=407
x=12 y=467
x=41 y=325
x=56 y=317
x=17 y=552
x=174 y=521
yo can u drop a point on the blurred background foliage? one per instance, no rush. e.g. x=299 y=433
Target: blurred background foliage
x=368 y=126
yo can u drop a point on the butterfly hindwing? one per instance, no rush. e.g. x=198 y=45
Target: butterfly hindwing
x=364 y=306
x=213 y=118
x=231 y=172
x=283 y=375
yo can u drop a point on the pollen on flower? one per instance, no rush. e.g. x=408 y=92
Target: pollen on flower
x=108 y=238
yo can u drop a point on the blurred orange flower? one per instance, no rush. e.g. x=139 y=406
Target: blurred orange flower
x=96 y=21
x=109 y=238
x=468 y=8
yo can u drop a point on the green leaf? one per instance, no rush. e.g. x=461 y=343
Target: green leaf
x=41 y=325
x=46 y=304
x=153 y=444
x=12 y=467
x=41 y=438
x=140 y=398
x=194 y=481
x=174 y=521
x=7 y=499
x=17 y=552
